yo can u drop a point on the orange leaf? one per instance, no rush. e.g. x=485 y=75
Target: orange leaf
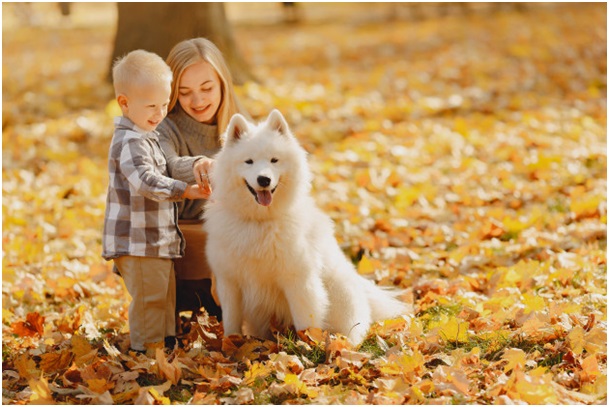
x=32 y=326
x=80 y=345
x=99 y=386
x=26 y=366
x=53 y=362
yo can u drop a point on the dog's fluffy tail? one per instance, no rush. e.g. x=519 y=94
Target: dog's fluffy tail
x=384 y=302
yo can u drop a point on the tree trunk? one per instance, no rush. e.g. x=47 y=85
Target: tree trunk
x=157 y=27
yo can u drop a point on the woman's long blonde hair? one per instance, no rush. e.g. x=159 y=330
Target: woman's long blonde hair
x=189 y=52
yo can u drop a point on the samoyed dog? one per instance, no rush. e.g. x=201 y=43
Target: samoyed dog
x=272 y=251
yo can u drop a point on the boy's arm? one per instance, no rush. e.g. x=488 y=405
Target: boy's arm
x=139 y=166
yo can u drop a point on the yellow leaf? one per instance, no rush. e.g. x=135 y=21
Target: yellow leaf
x=367 y=265
x=576 y=340
x=516 y=358
x=532 y=303
x=41 y=394
x=161 y=399
x=598 y=388
x=586 y=206
x=534 y=388
x=257 y=371
x=410 y=363
x=455 y=330
x=295 y=385
x=6 y=314
x=406 y=196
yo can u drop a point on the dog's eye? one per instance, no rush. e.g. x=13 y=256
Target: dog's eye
x=250 y=161
x=274 y=160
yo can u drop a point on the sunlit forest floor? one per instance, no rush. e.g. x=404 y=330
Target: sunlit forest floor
x=461 y=152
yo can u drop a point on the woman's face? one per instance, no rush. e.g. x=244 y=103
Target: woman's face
x=200 y=93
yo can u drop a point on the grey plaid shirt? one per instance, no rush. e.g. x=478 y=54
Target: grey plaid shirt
x=141 y=213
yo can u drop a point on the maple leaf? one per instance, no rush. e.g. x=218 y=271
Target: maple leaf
x=53 y=362
x=292 y=384
x=99 y=385
x=516 y=359
x=26 y=366
x=576 y=339
x=445 y=376
x=452 y=329
x=41 y=394
x=533 y=303
x=32 y=326
x=534 y=387
x=170 y=371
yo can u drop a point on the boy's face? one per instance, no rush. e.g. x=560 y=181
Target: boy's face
x=200 y=92
x=146 y=106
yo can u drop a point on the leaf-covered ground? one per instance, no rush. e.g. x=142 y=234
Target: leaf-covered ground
x=462 y=156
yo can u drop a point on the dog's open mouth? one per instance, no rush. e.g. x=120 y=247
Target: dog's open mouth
x=264 y=197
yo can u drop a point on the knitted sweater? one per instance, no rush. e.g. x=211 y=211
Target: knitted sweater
x=184 y=141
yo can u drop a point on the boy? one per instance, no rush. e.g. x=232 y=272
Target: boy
x=140 y=229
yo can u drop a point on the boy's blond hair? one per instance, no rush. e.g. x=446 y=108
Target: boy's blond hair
x=139 y=68
x=189 y=52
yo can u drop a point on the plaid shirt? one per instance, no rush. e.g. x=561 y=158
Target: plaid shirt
x=141 y=213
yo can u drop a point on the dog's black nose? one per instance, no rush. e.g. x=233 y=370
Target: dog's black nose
x=264 y=181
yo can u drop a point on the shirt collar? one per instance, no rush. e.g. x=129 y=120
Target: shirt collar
x=125 y=122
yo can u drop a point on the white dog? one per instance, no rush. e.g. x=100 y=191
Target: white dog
x=272 y=251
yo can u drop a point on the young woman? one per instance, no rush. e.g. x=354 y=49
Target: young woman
x=201 y=105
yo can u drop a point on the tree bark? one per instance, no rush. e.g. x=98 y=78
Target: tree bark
x=157 y=27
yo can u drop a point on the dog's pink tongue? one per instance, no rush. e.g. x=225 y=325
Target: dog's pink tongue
x=264 y=197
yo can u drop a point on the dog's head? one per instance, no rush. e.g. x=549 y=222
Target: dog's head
x=263 y=162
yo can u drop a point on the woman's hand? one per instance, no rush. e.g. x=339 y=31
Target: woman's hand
x=201 y=170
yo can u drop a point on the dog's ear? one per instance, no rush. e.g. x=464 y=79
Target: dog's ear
x=277 y=122
x=236 y=128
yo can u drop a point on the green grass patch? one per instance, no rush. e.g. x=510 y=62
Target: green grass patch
x=292 y=345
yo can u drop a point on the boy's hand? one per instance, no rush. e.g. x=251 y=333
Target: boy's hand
x=196 y=192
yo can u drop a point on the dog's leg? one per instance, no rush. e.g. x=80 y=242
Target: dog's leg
x=308 y=303
x=232 y=305
x=349 y=312
x=259 y=327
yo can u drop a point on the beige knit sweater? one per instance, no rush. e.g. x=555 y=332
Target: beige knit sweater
x=184 y=140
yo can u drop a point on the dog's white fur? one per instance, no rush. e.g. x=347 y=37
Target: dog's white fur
x=272 y=251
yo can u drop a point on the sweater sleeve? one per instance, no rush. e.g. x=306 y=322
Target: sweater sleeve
x=179 y=166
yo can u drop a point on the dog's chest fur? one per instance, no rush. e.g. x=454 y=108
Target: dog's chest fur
x=266 y=248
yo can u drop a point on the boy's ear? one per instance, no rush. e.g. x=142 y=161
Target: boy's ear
x=122 y=102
